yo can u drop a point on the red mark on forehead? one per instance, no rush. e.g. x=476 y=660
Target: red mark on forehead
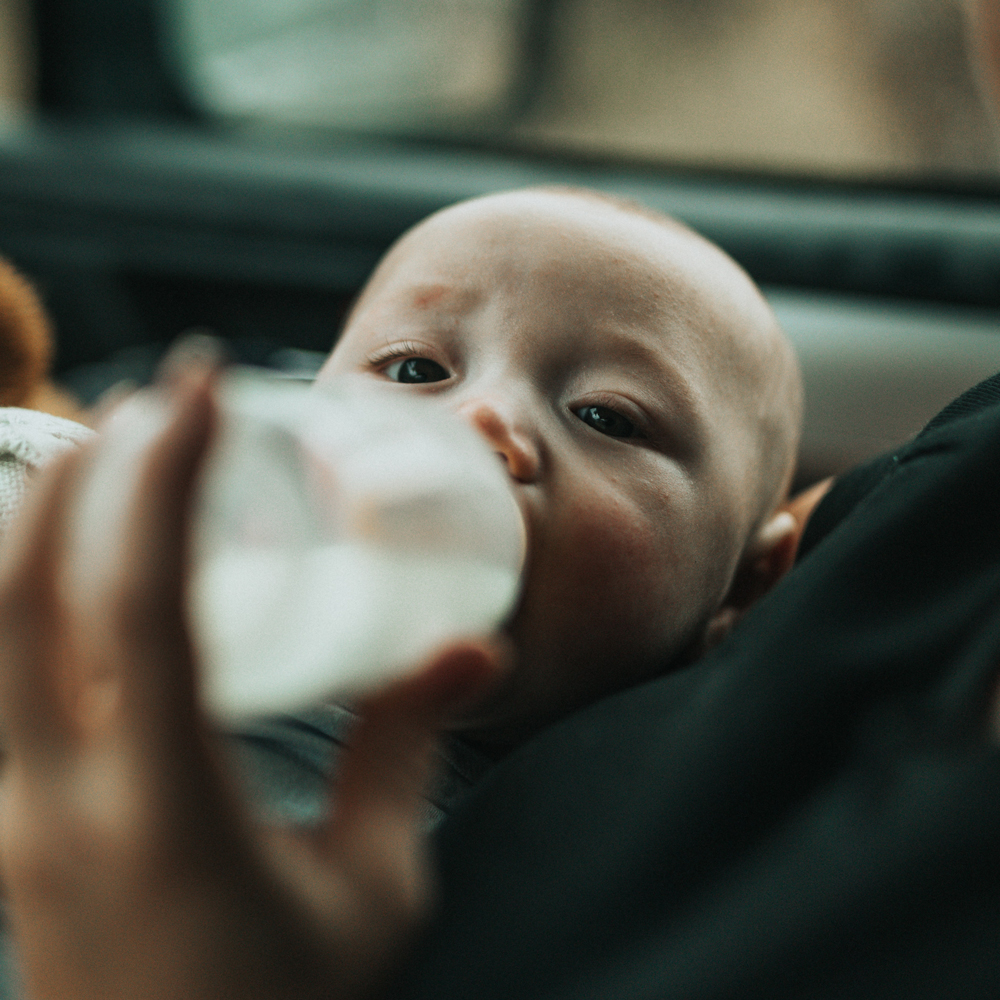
x=429 y=296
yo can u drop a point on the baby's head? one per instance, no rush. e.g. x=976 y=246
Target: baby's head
x=647 y=407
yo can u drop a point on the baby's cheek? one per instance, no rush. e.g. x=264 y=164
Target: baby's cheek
x=605 y=606
x=621 y=566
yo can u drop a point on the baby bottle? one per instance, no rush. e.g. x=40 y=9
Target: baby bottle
x=341 y=535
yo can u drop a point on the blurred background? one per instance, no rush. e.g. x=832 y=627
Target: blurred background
x=872 y=88
x=239 y=166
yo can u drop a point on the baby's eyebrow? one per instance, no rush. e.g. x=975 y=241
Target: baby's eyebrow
x=647 y=364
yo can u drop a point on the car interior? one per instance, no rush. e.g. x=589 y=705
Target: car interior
x=238 y=166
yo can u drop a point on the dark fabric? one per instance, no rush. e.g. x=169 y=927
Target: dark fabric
x=841 y=499
x=285 y=761
x=986 y=393
x=850 y=488
x=812 y=811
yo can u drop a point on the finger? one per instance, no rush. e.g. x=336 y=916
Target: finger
x=385 y=771
x=383 y=778
x=34 y=657
x=368 y=871
x=125 y=580
x=158 y=682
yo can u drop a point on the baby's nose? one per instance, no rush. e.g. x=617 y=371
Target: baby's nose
x=514 y=446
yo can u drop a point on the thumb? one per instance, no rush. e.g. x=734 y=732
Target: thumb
x=384 y=776
x=373 y=847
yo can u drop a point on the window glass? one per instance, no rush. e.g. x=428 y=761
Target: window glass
x=865 y=88
x=402 y=65
x=15 y=58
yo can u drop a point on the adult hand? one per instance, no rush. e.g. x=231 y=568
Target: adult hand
x=129 y=865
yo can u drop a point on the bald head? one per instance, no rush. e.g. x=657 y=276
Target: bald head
x=638 y=388
x=749 y=365
x=743 y=340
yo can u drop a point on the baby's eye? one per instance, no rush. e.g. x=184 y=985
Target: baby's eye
x=415 y=370
x=607 y=421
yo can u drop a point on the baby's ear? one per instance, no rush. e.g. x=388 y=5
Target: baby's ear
x=767 y=558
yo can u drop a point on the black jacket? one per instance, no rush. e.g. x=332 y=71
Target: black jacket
x=813 y=811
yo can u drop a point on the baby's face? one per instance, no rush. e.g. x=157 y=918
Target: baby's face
x=595 y=352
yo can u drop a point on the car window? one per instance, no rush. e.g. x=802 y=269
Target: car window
x=874 y=89
x=836 y=148
x=15 y=58
x=401 y=66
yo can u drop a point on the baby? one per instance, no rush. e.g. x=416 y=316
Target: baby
x=646 y=405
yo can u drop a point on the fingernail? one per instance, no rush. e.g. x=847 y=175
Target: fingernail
x=194 y=350
x=109 y=401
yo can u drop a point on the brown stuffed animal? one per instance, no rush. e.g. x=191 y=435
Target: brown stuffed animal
x=26 y=349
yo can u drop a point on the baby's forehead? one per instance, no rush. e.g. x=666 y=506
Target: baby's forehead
x=576 y=259
x=533 y=215
x=564 y=242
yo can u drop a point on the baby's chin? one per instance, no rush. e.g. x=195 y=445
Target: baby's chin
x=541 y=690
x=522 y=702
x=510 y=711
